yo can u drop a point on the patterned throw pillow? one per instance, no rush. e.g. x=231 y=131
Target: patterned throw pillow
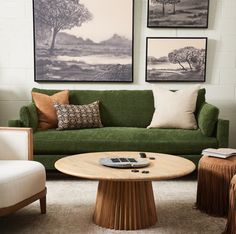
x=78 y=116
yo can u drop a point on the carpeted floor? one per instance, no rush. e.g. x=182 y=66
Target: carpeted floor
x=70 y=208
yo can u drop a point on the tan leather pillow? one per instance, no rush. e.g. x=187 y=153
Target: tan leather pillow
x=46 y=111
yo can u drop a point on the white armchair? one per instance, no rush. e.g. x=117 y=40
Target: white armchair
x=22 y=181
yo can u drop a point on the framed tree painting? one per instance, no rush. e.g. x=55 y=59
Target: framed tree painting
x=176 y=59
x=83 y=40
x=178 y=13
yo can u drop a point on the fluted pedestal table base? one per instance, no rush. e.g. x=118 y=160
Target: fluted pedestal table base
x=125 y=205
x=125 y=199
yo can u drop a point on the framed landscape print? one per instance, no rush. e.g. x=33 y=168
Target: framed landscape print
x=176 y=59
x=83 y=40
x=178 y=13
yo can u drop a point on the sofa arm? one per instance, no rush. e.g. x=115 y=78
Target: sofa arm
x=29 y=116
x=15 y=123
x=207 y=119
x=222 y=133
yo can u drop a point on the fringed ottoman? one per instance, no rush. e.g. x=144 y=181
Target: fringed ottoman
x=231 y=223
x=214 y=176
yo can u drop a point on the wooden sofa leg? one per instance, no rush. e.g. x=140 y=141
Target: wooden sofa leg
x=43 y=205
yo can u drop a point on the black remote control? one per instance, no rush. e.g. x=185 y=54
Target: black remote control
x=142 y=155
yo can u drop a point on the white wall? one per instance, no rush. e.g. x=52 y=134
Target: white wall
x=16 y=57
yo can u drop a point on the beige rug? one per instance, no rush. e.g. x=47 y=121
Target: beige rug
x=71 y=202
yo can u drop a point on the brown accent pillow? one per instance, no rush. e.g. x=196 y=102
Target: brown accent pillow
x=46 y=112
x=78 y=116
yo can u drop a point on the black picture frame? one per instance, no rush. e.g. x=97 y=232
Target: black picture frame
x=160 y=69
x=119 y=68
x=177 y=24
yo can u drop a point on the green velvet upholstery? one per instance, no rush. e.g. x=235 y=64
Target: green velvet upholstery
x=125 y=115
x=15 y=123
x=207 y=118
x=120 y=108
x=24 y=116
x=200 y=100
x=222 y=134
x=174 y=141
x=29 y=116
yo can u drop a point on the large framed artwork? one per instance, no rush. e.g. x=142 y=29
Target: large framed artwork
x=178 y=13
x=83 y=40
x=176 y=59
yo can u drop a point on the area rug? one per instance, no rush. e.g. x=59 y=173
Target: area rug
x=70 y=206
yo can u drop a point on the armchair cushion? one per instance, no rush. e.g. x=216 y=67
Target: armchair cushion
x=19 y=180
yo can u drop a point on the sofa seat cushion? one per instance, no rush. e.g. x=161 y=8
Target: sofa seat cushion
x=20 y=180
x=174 y=141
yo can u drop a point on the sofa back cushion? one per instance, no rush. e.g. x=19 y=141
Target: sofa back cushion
x=123 y=108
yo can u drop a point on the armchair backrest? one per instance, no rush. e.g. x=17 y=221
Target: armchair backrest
x=16 y=144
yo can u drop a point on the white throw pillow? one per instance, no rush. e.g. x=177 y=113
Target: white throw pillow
x=174 y=109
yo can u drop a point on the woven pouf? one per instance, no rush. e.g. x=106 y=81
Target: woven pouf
x=214 y=176
x=231 y=223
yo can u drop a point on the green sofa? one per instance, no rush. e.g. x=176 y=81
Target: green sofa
x=125 y=115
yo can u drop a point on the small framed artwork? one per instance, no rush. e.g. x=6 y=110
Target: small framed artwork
x=178 y=13
x=176 y=59
x=83 y=40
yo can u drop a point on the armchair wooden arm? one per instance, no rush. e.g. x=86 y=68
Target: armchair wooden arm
x=16 y=148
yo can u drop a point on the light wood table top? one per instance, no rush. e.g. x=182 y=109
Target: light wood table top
x=125 y=200
x=87 y=166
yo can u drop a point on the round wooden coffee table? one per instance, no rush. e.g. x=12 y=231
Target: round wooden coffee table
x=125 y=199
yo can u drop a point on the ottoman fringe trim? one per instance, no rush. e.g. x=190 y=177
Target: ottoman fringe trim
x=231 y=223
x=213 y=185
